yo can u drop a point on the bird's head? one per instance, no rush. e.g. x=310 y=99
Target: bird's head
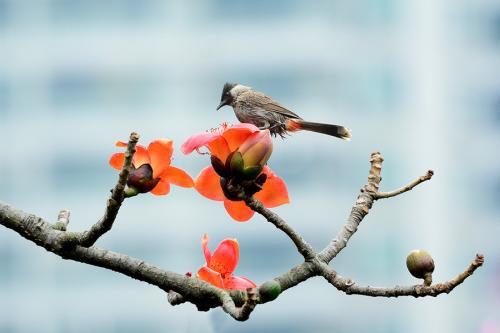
x=230 y=92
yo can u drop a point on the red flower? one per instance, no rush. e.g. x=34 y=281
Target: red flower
x=220 y=266
x=151 y=170
x=253 y=145
x=274 y=193
x=220 y=141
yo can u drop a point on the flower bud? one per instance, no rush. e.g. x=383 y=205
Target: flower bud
x=421 y=265
x=257 y=149
x=218 y=166
x=251 y=172
x=269 y=291
x=236 y=166
x=141 y=179
x=234 y=163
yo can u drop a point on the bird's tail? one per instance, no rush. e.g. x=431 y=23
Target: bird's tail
x=341 y=132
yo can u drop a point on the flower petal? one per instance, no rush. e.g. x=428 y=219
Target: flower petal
x=210 y=276
x=219 y=148
x=208 y=184
x=225 y=257
x=238 y=283
x=141 y=156
x=177 y=177
x=162 y=188
x=116 y=160
x=238 y=210
x=274 y=192
x=121 y=144
x=237 y=134
x=204 y=247
x=160 y=154
x=198 y=140
x=251 y=127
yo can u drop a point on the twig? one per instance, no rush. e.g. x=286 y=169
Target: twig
x=249 y=304
x=410 y=186
x=350 y=287
x=62 y=220
x=360 y=209
x=88 y=238
x=175 y=298
x=181 y=288
x=302 y=246
x=240 y=313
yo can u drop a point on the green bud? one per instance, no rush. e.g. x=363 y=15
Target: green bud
x=421 y=265
x=218 y=166
x=235 y=163
x=130 y=192
x=269 y=291
x=257 y=149
x=251 y=172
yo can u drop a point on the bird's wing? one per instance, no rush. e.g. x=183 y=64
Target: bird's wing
x=260 y=100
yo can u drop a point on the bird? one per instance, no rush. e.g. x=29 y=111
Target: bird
x=254 y=107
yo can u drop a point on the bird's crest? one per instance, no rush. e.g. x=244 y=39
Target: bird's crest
x=227 y=87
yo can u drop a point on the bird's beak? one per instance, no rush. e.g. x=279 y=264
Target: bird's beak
x=222 y=103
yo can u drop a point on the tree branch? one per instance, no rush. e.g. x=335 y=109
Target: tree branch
x=88 y=238
x=181 y=288
x=410 y=186
x=41 y=233
x=360 y=209
x=302 y=246
x=62 y=220
x=240 y=313
x=350 y=287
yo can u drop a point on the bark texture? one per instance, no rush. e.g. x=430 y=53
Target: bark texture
x=79 y=246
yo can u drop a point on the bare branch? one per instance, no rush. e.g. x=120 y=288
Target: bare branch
x=40 y=232
x=181 y=288
x=360 y=209
x=240 y=313
x=175 y=298
x=250 y=303
x=350 y=287
x=62 y=220
x=302 y=246
x=410 y=186
x=88 y=238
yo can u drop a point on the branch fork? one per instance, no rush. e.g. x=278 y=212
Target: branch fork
x=79 y=246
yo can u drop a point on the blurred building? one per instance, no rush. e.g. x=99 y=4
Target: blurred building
x=418 y=80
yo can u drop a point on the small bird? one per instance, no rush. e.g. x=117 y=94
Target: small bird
x=253 y=107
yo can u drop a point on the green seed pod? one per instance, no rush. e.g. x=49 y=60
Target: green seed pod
x=269 y=291
x=421 y=265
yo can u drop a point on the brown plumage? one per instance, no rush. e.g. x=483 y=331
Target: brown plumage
x=256 y=108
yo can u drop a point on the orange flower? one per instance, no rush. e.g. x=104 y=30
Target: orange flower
x=151 y=170
x=254 y=147
x=274 y=193
x=219 y=267
x=220 y=141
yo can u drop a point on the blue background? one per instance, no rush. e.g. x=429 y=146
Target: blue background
x=418 y=80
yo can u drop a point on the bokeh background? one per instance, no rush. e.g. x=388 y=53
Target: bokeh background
x=418 y=80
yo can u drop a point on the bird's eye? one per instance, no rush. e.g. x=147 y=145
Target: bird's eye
x=227 y=93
